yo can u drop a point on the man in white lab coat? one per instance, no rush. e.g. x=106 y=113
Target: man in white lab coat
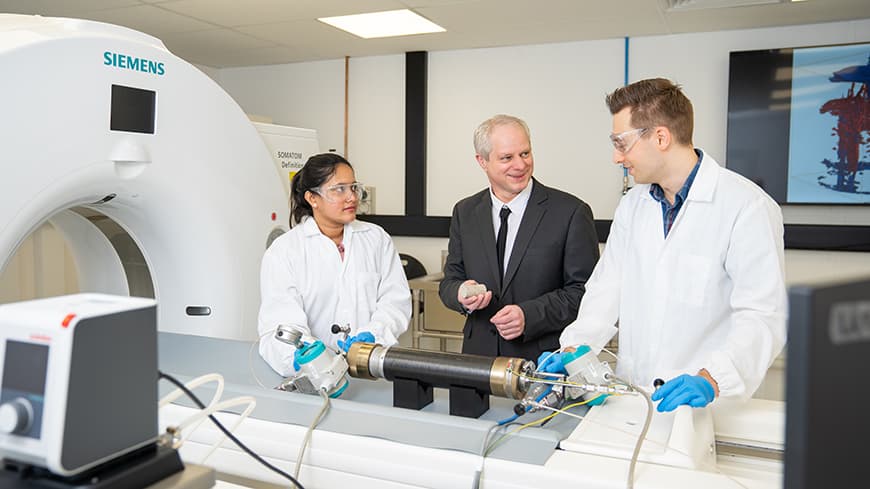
x=693 y=267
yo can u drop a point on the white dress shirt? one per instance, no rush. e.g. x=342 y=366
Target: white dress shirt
x=518 y=207
x=305 y=283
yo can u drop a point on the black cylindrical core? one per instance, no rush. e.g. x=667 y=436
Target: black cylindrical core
x=439 y=369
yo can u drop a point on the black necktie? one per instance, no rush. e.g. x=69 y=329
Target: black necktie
x=501 y=242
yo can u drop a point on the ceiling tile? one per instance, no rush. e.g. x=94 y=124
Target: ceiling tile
x=501 y=18
x=251 y=12
x=299 y=33
x=430 y=3
x=196 y=45
x=809 y=12
x=58 y=8
x=151 y=19
x=280 y=31
x=246 y=57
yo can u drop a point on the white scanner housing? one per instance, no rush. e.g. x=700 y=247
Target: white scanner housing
x=154 y=175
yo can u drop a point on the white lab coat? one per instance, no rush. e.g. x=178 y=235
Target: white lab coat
x=304 y=282
x=710 y=295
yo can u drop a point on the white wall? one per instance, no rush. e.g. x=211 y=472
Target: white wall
x=558 y=88
x=309 y=95
x=376 y=128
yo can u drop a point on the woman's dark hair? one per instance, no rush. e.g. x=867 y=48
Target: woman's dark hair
x=316 y=171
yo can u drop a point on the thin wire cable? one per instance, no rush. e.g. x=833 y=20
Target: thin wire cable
x=509 y=419
x=614 y=428
x=489 y=433
x=642 y=436
x=202 y=415
x=323 y=410
x=193 y=384
x=499 y=440
x=630 y=373
x=209 y=410
x=527 y=408
x=251 y=404
x=251 y=357
x=566 y=383
x=614 y=355
x=478 y=475
x=562 y=411
x=232 y=437
x=504 y=437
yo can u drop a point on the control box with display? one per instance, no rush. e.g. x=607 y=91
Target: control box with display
x=79 y=380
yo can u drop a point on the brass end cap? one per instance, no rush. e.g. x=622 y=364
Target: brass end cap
x=504 y=377
x=358 y=360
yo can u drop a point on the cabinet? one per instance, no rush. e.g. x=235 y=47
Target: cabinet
x=429 y=317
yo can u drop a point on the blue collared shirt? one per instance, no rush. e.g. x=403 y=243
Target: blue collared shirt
x=669 y=212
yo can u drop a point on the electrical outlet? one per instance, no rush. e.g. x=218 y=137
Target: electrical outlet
x=367 y=202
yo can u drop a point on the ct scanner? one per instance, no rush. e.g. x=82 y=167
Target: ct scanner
x=177 y=200
x=182 y=213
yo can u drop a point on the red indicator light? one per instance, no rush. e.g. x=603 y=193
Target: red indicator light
x=274 y=216
x=68 y=319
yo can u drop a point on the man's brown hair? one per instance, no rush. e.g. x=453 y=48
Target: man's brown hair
x=656 y=102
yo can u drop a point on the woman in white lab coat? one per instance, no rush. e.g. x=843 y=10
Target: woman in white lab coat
x=330 y=269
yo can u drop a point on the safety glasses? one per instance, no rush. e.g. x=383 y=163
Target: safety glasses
x=342 y=191
x=624 y=141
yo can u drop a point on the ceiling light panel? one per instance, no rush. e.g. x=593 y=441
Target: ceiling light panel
x=679 y=5
x=383 y=24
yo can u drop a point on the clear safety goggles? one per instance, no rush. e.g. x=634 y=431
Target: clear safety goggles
x=624 y=141
x=342 y=191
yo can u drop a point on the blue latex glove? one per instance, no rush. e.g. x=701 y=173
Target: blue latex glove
x=364 y=336
x=694 y=390
x=551 y=362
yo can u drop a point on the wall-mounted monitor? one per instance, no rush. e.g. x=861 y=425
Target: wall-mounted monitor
x=799 y=122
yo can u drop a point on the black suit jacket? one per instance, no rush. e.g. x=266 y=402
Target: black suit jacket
x=555 y=250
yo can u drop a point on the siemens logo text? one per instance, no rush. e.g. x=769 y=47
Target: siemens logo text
x=132 y=63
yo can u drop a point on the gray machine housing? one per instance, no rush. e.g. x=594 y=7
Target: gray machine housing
x=112 y=400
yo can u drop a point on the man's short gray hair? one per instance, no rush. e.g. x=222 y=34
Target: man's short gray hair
x=482 y=144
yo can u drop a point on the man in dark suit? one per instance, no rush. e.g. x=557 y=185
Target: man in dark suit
x=533 y=247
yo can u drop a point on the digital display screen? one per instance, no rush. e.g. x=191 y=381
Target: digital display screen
x=25 y=367
x=799 y=122
x=133 y=109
